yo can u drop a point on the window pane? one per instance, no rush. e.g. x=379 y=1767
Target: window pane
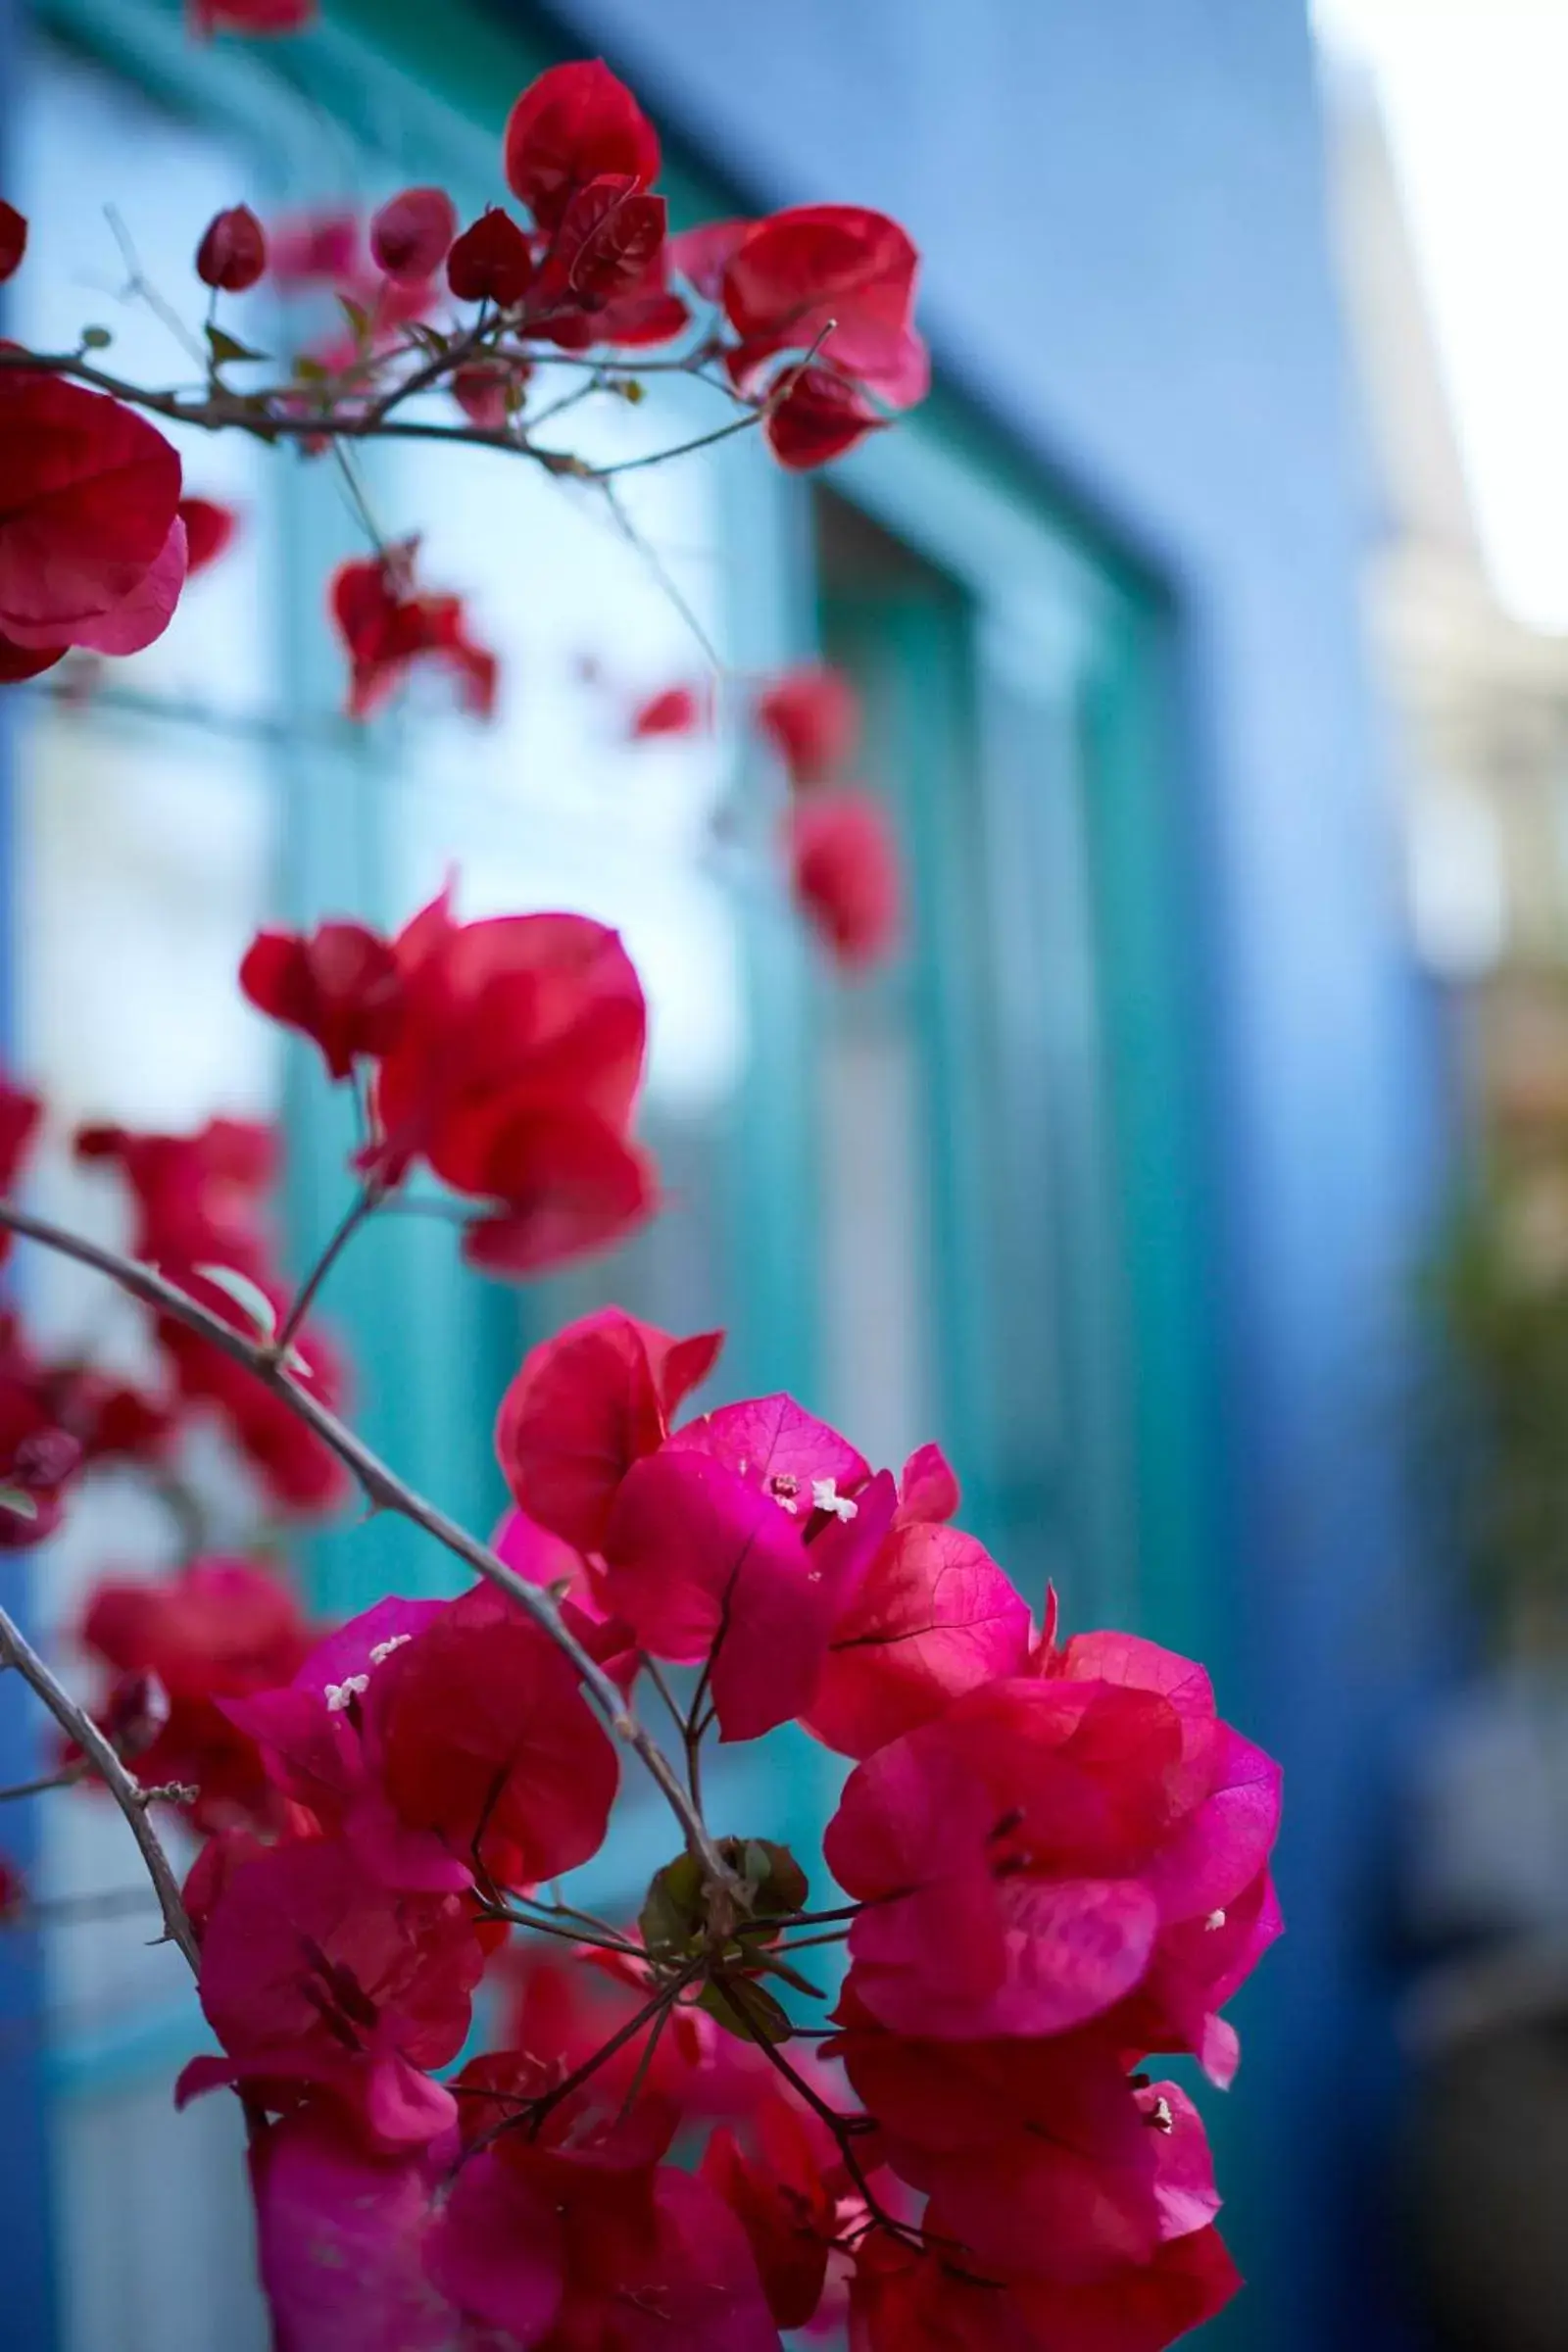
x=83 y=144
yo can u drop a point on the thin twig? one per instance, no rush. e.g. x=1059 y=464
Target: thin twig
x=16 y=1650
x=66 y=1777
x=388 y=1492
x=363 y=1206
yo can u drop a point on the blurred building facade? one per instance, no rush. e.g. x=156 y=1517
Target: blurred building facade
x=1115 y=1183
x=1480 y=699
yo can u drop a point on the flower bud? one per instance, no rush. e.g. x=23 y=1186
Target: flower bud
x=411 y=233
x=137 y=1711
x=232 y=253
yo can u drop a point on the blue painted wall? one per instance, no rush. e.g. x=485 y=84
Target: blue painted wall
x=1121 y=206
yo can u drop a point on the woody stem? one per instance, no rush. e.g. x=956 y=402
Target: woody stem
x=16 y=1650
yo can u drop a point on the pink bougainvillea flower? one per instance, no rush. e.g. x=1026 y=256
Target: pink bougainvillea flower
x=13 y=239
x=297 y=1470
x=258 y=17
x=221 y=1625
x=817 y=416
x=742 y=1540
x=1195 y=1966
x=648 y=2258
x=928 y=1489
x=307 y=249
x=218 y=1630
x=492 y=261
x=902 y=2296
x=567 y=2009
x=478 y=1732
x=844 y=865
x=575 y=124
x=702 y=255
x=812 y=717
x=515 y=1076
x=92 y=551
x=342 y=2237
x=37 y=1458
x=1022 y=1850
x=387 y=625
x=1046 y=2159
x=411 y=233
x=310 y=1975
x=568 y=1183
x=604 y=245
x=776 y=2177
x=311 y=1735
x=673 y=710
x=934 y=1617
x=210 y=529
x=198 y=1207
x=586 y=1404
x=340 y=986
x=838 y=272
x=1191 y=2278
x=488 y=391
x=232 y=253
x=578 y=1584
x=196 y=1197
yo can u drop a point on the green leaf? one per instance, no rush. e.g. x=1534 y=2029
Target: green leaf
x=96 y=338
x=311 y=371
x=761 y=2020
x=224 y=347
x=14 y=1499
x=781 y=1884
x=430 y=340
x=358 y=317
x=248 y=1297
x=671 y=1916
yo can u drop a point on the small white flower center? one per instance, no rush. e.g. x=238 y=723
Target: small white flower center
x=825 y=1496
x=785 y=1490
x=1215 y=1919
x=340 y=1695
x=384 y=1650
x=1160 y=2115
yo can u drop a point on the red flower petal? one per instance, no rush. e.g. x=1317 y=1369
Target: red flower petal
x=88 y=492
x=484 y=1736
x=585 y=1407
x=210 y=527
x=845 y=865
x=575 y=124
x=491 y=262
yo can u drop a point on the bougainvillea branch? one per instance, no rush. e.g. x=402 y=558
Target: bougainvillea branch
x=382 y=1488
x=17 y=1653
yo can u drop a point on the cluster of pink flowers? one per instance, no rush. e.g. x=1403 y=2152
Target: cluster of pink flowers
x=807 y=313
x=1050 y=1859
x=1055 y=1856
x=837 y=838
